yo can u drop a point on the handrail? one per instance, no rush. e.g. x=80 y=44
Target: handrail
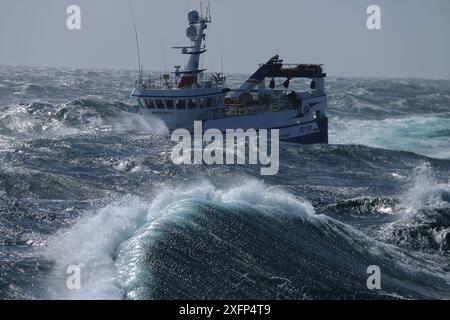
x=206 y=80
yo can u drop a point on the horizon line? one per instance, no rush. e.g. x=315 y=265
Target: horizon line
x=230 y=73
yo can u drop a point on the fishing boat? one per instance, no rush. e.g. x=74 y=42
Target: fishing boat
x=263 y=101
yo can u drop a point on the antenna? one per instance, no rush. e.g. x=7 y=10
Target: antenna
x=221 y=55
x=208 y=13
x=137 y=41
x=164 y=54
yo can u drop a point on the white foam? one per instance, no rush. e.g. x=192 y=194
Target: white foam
x=251 y=191
x=425 y=191
x=92 y=242
x=418 y=203
x=419 y=134
x=19 y=121
x=126 y=122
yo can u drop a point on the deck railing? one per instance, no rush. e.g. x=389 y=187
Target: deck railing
x=205 y=80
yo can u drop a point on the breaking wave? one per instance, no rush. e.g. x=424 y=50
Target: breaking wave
x=246 y=241
x=423 y=213
x=81 y=116
x=426 y=135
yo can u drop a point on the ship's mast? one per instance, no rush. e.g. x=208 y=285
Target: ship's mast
x=196 y=33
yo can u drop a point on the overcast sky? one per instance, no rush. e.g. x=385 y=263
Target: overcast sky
x=414 y=40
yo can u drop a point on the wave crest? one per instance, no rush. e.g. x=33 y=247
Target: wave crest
x=424 y=212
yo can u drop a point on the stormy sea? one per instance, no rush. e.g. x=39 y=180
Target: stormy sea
x=85 y=181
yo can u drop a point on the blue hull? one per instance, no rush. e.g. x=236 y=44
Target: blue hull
x=320 y=137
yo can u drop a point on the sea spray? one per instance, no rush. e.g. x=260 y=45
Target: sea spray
x=423 y=213
x=92 y=244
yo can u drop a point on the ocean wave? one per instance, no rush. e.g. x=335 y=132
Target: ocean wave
x=250 y=240
x=425 y=135
x=81 y=116
x=379 y=99
x=423 y=213
x=245 y=247
x=363 y=206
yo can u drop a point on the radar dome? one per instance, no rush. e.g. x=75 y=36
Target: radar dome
x=193 y=16
x=192 y=32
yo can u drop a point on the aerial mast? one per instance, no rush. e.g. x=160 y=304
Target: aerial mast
x=141 y=75
x=196 y=34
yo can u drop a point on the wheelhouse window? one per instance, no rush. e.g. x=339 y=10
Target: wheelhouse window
x=181 y=104
x=170 y=104
x=215 y=101
x=209 y=102
x=191 y=104
x=160 y=104
x=149 y=103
